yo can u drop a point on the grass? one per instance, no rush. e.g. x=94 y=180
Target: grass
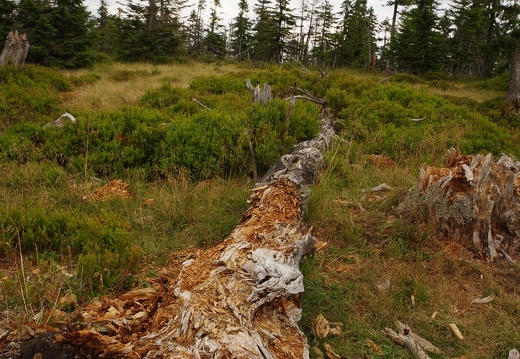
x=467 y=92
x=117 y=84
x=368 y=245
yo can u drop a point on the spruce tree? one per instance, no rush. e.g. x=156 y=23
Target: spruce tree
x=149 y=32
x=356 y=39
x=418 y=46
x=284 y=23
x=323 y=49
x=60 y=32
x=7 y=9
x=469 y=26
x=241 y=38
x=263 y=32
x=215 y=41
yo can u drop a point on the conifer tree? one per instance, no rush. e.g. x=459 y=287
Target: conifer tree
x=7 y=9
x=149 y=32
x=356 y=39
x=325 y=20
x=215 y=41
x=284 y=22
x=241 y=38
x=59 y=32
x=393 y=28
x=468 y=18
x=418 y=46
x=263 y=32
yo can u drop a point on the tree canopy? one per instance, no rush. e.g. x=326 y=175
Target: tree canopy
x=461 y=37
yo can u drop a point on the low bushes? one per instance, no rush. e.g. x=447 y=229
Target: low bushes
x=169 y=133
x=102 y=242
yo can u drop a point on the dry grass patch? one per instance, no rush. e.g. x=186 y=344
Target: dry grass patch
x=119 y=84
x=479 y=95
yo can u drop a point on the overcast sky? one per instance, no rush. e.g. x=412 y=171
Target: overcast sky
x=229 y=8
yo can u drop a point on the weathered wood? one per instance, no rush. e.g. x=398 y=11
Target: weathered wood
x=60 y=122
x=474 y=200
x=513 y=354
x=15 y=49
x=260 y=95
x=417 y=345
x=239 y=299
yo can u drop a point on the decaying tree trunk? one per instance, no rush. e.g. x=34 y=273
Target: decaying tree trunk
x=15 y=49
x=474 y=200
x=513 y=96
x=239 y=299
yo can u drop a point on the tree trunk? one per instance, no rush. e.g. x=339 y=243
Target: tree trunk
x=513 y=96
x=239 y=299
x=15 y=49
x=473 y=200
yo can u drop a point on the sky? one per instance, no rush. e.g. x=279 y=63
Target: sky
x=229 y=8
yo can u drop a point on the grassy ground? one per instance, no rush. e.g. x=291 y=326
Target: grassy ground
x=375 y=269
x=116 y=84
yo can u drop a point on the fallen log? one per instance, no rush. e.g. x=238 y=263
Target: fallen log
x=239 y=299
x=474 y=200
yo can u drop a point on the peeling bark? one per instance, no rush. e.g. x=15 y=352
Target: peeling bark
x=474 y=200
x=239 y=299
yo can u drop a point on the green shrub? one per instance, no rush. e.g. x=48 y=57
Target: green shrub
x=210 y=144
x=163 y=97
x=86 y=79
x=29 y=94
x=103 y=242
x=407 y=78
x=21 y=143
x=498 y=83
x=435 y=76
x=218 y=85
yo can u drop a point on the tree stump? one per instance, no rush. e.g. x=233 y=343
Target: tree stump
x=262 y=94
x=474 y=200
x=15 y=49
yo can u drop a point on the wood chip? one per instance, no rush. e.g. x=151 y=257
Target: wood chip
x=320 y=245
x=329 y=352
x=485 y=300
x=374 y=347
x=514 y=354
x=321 y=327
x=456 y=331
